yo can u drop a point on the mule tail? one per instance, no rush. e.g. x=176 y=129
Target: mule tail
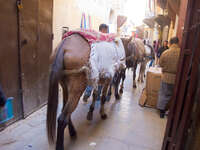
x=55 y=76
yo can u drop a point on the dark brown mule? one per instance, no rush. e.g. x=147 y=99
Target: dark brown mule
x=135 y=54
x=149 y=54
x=69 y=60
x=139 y=58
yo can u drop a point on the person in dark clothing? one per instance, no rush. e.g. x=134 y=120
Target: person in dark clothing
x=2 y=98
x=162 y=49
x=169 y=64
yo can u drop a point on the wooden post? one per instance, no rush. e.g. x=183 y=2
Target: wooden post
x=182 y=17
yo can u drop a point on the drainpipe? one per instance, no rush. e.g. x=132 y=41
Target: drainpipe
x=18 y=7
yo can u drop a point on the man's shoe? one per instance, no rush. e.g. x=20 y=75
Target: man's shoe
x=162 y=113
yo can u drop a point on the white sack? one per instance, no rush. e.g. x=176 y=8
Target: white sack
x=105 y=59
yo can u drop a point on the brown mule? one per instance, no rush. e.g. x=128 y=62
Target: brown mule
x=69 y=68
x=69 y=59
x=72 y=53
x=149 y=53
x=135 y=54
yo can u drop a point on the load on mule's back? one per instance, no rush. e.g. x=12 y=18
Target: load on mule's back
x=78 y=61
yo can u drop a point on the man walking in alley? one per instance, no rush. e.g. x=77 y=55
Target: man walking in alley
x=168 y=63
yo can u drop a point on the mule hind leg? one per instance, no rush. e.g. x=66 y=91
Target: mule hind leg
x=109 y=92
x=72 y=130
x=123 y=76
x=63 y=84
x=76 y=86
x=103 y=98
x=142 y=71
x=134 y=73
x=90 y=113
x=116 y=81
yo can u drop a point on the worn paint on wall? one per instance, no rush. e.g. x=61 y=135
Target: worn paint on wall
x=176 y=25
x=67 y=13
x=183 y=8
x=36 y=29
x=165 y=33
x=98 y=8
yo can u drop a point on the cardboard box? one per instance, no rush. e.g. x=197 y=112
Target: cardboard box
x=143 y=98
x=153 y=86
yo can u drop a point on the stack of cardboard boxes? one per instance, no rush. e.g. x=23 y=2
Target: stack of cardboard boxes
x=149 y=95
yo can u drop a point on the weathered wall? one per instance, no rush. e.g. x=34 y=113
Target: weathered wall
x=193 y=137
x=165 y=33
x=35 y=38
x=182 y=15
x=68 y=13
x=176 y=26
x=196 y=142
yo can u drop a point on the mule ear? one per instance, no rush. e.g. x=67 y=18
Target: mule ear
x=130 y=39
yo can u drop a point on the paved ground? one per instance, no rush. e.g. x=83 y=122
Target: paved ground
x=128 y=127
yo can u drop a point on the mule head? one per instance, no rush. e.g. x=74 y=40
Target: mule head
x=126 y=41
x=130 y=39
x=129 y=47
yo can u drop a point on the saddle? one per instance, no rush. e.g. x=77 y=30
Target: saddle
x=92 y=36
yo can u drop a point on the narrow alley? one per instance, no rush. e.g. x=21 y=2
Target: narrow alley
x=128 y=127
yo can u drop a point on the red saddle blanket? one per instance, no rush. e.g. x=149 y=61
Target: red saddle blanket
x=92 y=36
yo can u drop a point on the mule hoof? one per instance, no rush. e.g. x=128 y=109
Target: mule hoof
x=117 y=97
x=134 y=86
x=108 y=98
x=104 y=117
x=74 y=137
x=85 y=98
x=73 y=134
x=121 y=91
x=90 y=116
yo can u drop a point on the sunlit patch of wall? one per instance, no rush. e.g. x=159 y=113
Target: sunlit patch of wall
x=68 y=13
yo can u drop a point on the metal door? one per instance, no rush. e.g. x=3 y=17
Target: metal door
x=9 y=56
x=36 y=46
